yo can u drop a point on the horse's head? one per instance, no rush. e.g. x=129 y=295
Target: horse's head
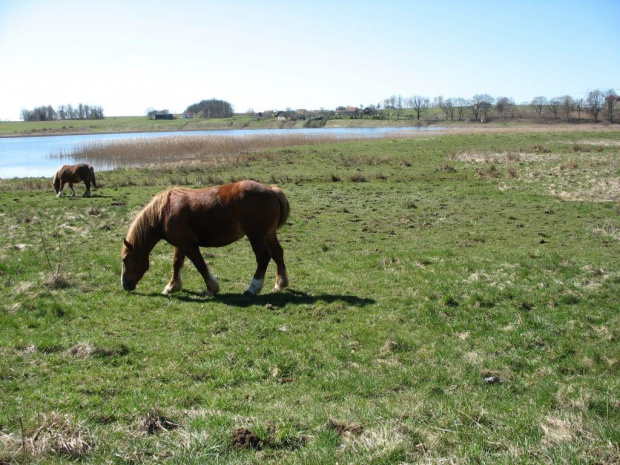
x=135 y=264
x=56 y=183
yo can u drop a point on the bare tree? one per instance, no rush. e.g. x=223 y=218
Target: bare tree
x=480 y=106
x=461 y=107
x=448 y=109
x=594 y=101
x=538 y=104
x=501 y=105
x=554 y=106
x=611 y=100
x=579 y=107
x=567 y=105
x=419 y=105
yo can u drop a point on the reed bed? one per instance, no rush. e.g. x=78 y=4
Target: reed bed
x=126 y=152
x=171 y=149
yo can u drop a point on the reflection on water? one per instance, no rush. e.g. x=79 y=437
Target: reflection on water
x=40 y=156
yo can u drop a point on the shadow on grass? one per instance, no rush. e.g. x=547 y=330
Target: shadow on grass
x=277 y=299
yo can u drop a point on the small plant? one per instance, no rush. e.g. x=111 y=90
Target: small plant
x=512 y=172
x=357 y=178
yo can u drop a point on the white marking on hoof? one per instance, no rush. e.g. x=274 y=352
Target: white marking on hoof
x=169 y=289
x=256 y=286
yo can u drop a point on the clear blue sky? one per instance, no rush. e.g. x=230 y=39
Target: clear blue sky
x=127 y=56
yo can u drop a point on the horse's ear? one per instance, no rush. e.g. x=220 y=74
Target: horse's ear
x=128 y=245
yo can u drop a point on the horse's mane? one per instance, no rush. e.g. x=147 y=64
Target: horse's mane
x=148 y=219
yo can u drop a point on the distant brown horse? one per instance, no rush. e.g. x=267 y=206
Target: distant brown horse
x=213 y=217
x=68 y=174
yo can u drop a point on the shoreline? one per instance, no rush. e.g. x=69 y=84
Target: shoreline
x=133 y=127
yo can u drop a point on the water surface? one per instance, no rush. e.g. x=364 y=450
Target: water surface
x=38 y=156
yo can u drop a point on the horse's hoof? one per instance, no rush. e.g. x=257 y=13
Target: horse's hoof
x=170 y=289
x=249 y=294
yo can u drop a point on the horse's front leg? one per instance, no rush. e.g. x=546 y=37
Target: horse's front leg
x=176 y=282
x=62 y=186
x=72 y=189
x=213 y=287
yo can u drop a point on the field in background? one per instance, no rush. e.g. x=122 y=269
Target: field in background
x=453 y=300
x=403 y=118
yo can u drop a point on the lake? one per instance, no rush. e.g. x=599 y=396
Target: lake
x=37 y=156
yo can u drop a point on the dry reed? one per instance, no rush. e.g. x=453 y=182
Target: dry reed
x=170 y=149
x=122 y=152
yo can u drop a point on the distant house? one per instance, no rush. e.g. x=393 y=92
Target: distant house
x=348 y=111
x=188 y=114
x=164 y=116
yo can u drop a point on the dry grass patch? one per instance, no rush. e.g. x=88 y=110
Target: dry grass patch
x=609 y=228
x=50 y=434
x=601 y=142
x=81 y=350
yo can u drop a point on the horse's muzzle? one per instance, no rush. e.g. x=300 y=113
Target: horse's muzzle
x=128 y=285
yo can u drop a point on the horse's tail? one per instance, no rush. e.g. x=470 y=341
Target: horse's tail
x=285 y=208
x=92 y=176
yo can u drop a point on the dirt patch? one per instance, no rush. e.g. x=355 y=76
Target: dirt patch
x=245 y=439
x=156 y=422
x=342 y=428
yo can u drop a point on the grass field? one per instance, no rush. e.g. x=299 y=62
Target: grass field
x=453 y=299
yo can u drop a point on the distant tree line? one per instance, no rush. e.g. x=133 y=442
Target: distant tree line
x=212 y=108
x=598 y=103
x=64 y=112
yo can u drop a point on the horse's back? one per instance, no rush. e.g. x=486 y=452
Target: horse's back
x=221 y=215
x=74 y=173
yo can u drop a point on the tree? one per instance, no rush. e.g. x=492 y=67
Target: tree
x=579 y=107
x=554 y=106
x=461 y=107
x=568 y=105
x=594 y=102
x=611 y=100
x=538 y=104
x=47 y=113
x=480 y=106
x=419 y=105
x=501 y=105
x=212 y=108
x=448 y=109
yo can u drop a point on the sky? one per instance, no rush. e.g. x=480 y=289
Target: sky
x=129 y=56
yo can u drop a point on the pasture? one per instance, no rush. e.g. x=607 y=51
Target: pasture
x=453 y=299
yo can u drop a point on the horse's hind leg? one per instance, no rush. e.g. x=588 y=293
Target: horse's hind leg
x=87 y=193
x=263 y=255
x=213 y=287
x=278 y=256
x=176 y=282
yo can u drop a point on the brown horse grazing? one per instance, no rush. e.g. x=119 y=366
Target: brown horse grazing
x=213 y=217
x=68 y=174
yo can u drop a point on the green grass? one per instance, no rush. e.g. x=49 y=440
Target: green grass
x=418 y=268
